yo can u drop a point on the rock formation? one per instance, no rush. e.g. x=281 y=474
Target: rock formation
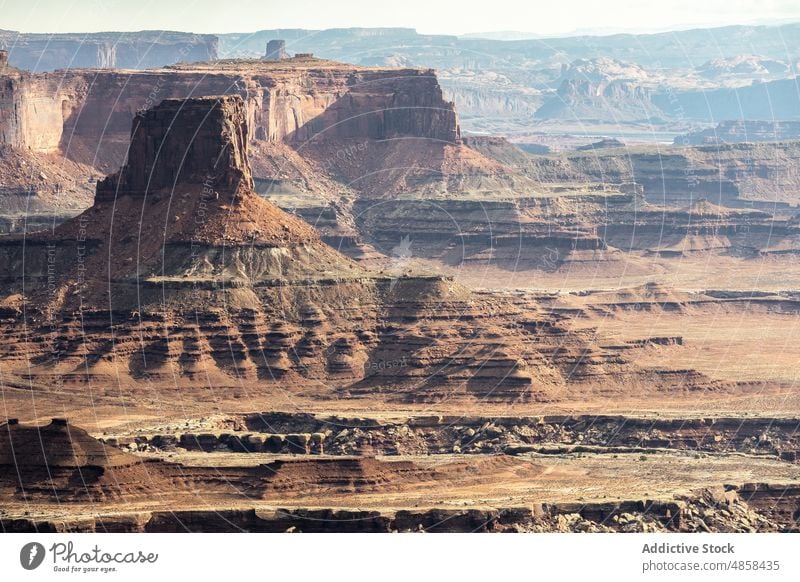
x=736 y=174
x=287 y=104
x=38 y=186
x=63 y=463
x=49 y=473
x=276 y=50
x=210 y=280
x=601 y=89
x=375 y=156
x=182 y=219
x=184 y=298
x=292 y=102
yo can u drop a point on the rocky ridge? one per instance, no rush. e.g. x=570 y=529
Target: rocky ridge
x=212 y=281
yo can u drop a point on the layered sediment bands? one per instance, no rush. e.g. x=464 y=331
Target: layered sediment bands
x=428 y=192
x=702 y=227
x=730 y=174
x=59 y=463
x=132 y=50
x=406 y=341
x=740 y=131
x=238 y=263
x=488 y=202
x=545 y=231
x=211 y=280
x=336 y=476
x=63 y=463
x=416 y=167
x=549 y=224
x=60 y=466
x=522 y=233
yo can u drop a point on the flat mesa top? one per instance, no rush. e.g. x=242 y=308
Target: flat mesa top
x=250 y=66
x=289 y=64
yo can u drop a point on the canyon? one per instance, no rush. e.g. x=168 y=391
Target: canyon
x=535 y=89
x=187 y=228
x=297 y=287
x=73 y=121
x=318 y=128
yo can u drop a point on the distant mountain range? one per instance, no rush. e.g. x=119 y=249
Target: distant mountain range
x=506 y=82
x=503 y=82
x=680 y=49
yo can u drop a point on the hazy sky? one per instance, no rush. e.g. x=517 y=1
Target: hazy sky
x=550 y=17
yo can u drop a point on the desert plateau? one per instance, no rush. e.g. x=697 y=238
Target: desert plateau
x=374 y=280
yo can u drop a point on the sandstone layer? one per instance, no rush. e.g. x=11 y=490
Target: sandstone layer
x=95 y=487
x=211 y=282
x=288 y=103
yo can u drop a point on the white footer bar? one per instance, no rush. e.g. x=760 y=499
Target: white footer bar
x=390 y=557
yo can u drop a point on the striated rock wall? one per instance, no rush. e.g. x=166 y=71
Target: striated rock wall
x=268 y=300
x=37 y=185
x=87 y=114
x=740 y=174
x=345 y=110
x=31 y=110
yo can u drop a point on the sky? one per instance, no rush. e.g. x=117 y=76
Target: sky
x=546 y=18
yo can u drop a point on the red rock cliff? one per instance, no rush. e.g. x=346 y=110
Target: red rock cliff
x=87 y=114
